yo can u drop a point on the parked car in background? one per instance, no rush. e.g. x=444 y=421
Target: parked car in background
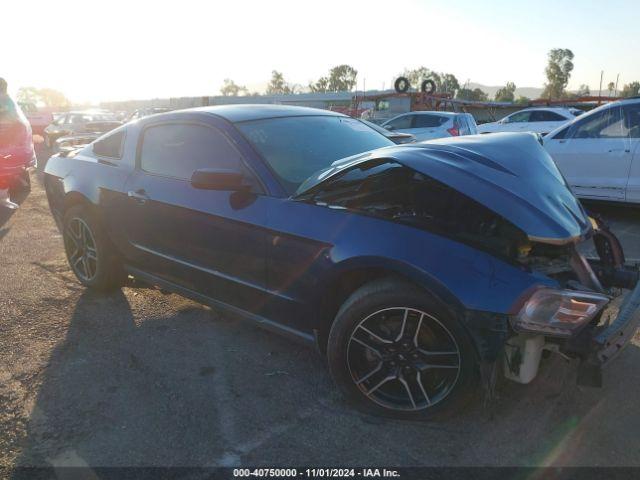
x=396 y=137
x=429 y=125
x=536 y=120
x=16 y=146
x=93 y=130
x=410 y=266
x=599 y=152
x=145 y=112
x=73 y=123
x=38 y=120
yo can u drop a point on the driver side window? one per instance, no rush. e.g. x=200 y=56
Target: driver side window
x=178 y=149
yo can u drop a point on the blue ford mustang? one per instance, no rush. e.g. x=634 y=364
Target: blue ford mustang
x=419 y=270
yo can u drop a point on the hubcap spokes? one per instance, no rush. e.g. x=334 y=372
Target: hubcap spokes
x=403 y=359
x=81 y=248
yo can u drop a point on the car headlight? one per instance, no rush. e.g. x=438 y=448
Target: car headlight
x=558 y=312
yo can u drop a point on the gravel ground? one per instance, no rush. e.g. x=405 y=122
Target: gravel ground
x=143 y=378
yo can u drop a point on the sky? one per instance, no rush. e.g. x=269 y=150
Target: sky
x=96 y=51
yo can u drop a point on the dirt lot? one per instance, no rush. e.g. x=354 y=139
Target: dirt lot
x=143 y=378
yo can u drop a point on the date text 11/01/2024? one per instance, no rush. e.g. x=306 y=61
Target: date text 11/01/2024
x=316 y=473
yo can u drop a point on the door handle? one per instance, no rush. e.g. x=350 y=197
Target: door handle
x=625 y=150
x=139 y=195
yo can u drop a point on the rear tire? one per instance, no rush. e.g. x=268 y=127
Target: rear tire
x=91 y=255
x=394 y=351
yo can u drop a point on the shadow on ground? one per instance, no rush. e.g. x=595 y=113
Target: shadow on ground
x=193 y=389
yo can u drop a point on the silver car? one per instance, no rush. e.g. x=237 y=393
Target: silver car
x=75 y=123
x=428 y=125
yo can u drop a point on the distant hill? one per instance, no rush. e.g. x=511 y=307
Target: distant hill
x=529 y=92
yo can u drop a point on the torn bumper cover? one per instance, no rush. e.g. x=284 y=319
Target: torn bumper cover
x=619 y=333
x=609 y=339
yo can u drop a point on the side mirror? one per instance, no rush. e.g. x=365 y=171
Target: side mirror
x=391 y=128
x=218 y=179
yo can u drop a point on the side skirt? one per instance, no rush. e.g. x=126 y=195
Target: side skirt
x=297 y=335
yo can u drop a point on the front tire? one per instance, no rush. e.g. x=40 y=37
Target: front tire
x=393 y=350
x=90 y=253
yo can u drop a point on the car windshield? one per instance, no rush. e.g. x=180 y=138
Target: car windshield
x=297 y=147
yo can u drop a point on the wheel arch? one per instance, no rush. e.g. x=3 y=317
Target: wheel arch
x=73 y=198
x=350 y=275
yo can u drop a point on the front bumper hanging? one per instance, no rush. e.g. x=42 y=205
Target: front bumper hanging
x=609 y=340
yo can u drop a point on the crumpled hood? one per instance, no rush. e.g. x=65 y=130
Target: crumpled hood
x=509 y=173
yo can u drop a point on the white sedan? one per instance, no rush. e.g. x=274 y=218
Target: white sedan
x=599 y=152
x=537 y=120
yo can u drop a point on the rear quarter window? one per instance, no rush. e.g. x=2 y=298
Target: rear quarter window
x=429 y=121
x=110 y=146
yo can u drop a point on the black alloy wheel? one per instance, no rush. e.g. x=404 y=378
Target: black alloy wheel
x=395 y=350
x=403 y=359
x=81 y=249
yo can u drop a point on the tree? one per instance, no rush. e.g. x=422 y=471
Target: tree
x=322 y=85
x=278 y=86
x=230 y=89
x=341 y=78
x=28 y=95
x=474 y=95
x=53 y=98
x=631 y=90
x=522 y=100
x=558 y=71
x=448 y=83
x=611 y=87
x=46 y=96
x=506 y=93
x=583 y=91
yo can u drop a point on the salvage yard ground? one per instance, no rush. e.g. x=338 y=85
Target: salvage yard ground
x=138 y=377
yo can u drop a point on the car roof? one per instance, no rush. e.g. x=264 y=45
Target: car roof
x=553 y=109
x=432 y=112
x=86 y=112
x=247 y=112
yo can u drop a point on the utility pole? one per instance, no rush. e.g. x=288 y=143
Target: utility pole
x=615 y=93
x=600 y=90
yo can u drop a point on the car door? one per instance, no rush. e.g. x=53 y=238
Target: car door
x=632 y=122
x=594 y=154
x=211 y=242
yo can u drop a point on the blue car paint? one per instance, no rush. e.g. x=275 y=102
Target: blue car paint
x=271 y=255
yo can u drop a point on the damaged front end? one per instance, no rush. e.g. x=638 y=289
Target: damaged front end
x=592 y=317
x=593 y=310
x=503 y=195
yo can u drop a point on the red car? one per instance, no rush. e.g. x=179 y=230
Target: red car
x=39 y=120
x=16 y=145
